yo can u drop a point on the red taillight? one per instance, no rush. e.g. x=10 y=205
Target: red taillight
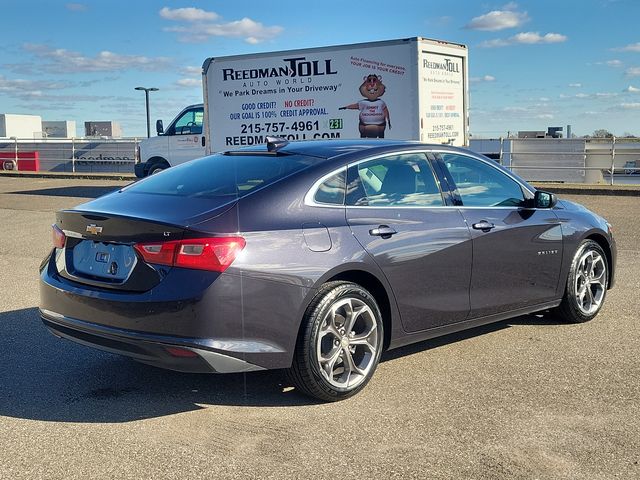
x=215 y=253
x=158 y=253
x=57 y=236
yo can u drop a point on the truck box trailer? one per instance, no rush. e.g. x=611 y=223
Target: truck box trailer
x=406 y=89
x=413 y=89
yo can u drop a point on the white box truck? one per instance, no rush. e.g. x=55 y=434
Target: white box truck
x=408 y=89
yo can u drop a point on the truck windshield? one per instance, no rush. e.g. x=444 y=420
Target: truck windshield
x=221 y=176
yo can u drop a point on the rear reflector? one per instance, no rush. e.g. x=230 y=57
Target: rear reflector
x=180 y=352
x=215 y=253
x=57 y=236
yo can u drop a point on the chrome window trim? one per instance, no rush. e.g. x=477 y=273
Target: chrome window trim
x=310 y=201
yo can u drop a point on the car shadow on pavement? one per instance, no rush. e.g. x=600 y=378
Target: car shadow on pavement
x=532 y=319
x=77 y=191
x=46 y=378
x=50 y=379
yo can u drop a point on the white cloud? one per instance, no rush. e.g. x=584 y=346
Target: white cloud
x=29 y=88
x=575 y=85
x=60 y=60
x=632 y=47
x=76 y=7
x=202 y=25
x=630 y=106
x=633 y=72
x=582 y=95
x=485 y=78
x=498 y=19
x=253 y=32
x=632 y=89
x=189 y=14
x=545 y=99
x=535 y=37
x=525 y=38
x=514 y=109
x=189 y=82
x=614 y=63
x=192 y=71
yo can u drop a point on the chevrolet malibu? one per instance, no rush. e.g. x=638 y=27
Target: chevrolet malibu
x=316 y=257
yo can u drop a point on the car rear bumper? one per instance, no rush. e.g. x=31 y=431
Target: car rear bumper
x=181 y=354
x=232 y=322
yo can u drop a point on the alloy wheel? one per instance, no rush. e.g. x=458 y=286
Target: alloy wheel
x=590 y=281
x=347 y=343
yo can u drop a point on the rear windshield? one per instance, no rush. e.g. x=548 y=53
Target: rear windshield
x=221 y=176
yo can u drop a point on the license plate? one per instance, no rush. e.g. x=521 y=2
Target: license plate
x=104 y=260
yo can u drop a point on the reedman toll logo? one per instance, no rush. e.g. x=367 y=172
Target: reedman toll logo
x=294 y=67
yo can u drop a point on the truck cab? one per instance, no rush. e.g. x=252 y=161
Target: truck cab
x=181 y=141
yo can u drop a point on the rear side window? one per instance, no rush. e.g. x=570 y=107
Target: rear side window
x=331 y=191
x=221 y=176
x=397 y=180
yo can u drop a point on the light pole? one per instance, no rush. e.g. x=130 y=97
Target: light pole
x=146 y=96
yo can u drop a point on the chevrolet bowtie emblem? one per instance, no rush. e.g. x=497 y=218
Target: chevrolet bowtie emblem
x=94 y=229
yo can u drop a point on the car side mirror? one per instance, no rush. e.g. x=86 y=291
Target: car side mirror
x=159 y=127
x=544 y=199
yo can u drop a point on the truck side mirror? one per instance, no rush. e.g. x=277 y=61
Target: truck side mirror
x=544 y=199
x=159 y=127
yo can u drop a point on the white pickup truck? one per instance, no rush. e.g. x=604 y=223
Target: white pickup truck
x=182 y=140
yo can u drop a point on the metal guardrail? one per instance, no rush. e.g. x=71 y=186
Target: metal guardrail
x=98 y=155
x=588 y=149
x=90 y=155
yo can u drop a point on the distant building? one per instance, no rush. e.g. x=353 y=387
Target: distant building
x=552 y=132
x=59 y=129
x=20 y=126
x=531 y=134
x=102 y=129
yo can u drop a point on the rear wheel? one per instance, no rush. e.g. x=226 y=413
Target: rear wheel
x=586 y=285
x=158 y=164
x=156 y=169
x=340 y=343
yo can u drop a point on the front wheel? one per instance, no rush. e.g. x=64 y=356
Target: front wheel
x=586 y=285
x=340 y=343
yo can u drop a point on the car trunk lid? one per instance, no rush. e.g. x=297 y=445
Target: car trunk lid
x=99 y=249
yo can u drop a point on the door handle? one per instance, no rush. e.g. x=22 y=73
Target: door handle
x=383 y=231
x=483 y=225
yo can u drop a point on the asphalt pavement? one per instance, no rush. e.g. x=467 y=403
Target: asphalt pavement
x=531 y=397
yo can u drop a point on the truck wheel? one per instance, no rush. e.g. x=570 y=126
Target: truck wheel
x=340 y=343
x=586 y=285
x=156 y=169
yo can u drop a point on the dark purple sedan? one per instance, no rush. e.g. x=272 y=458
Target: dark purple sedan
x=316 y=257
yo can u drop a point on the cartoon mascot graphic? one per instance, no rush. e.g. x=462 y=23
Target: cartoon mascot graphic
x=374 y=114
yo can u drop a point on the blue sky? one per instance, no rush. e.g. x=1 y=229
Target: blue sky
x=533 y=64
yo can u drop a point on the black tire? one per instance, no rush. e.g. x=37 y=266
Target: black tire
x=306 y=374
x=570 y=310
x=157 y=168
